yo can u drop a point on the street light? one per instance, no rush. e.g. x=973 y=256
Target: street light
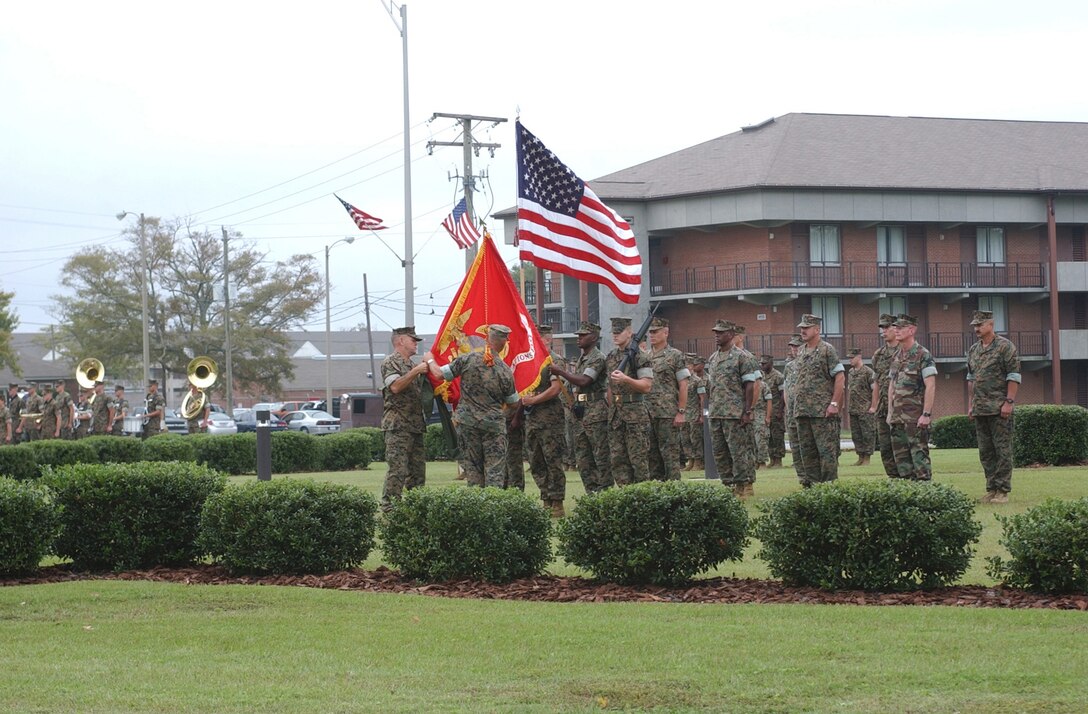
x=328 y=327
x=143 y=294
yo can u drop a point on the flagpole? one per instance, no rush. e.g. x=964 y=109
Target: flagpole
x=407 y=261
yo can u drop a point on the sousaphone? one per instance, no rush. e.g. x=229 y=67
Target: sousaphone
x=88 y=372
x=202 y=373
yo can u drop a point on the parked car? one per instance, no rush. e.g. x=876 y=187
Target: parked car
x=286 y=408
x=175 y=423
x=272 y=407
x=246 y=420
x=219 y=423
x=311 y=421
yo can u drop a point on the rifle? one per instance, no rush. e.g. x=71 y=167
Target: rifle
x=632 y=347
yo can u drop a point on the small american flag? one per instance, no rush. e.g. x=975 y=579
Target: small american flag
x=365 y=221
x=460 y=226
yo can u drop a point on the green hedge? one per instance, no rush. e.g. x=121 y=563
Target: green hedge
x=1050 y=434
x=435 y=444
x=289 y=526
x=882 y=535
x=228 y=453
x=115 y=449
x=449 y=533
x=293 y=451
x=18 y=462
x=168 y=447
x=60 y=452
x=122 y=516
x=377 y=442
x=346 y=451
x=653 y=532
x=1048 y=546
x=954 y=432
x=29 y=523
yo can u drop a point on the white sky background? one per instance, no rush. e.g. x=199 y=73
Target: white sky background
x=183 y=109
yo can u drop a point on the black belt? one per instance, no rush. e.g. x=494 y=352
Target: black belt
x=587 y=398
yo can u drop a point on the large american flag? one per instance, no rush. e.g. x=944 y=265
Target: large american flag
x=460 y=226
x=365 y=221
x=563 y=226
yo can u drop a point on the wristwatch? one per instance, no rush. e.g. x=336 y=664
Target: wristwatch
x=927 y=414
x=834 y=404
x=1010 y=400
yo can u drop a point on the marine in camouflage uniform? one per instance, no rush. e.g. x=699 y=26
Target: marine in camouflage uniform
x=774 y=417
x=667 y=401
x=911 y=391
x=859 y=397
x=64 y=406
x=32 y=404
x=819 y=390
x=993 y=379
x=544 y=424
x=403 y=421
x=590 y=410
x=515 y=449
x=120 y=411
x=882 y=364
x=101 y=411
x=13 y=407
x=48 y=427
x=693 y=414
x=789 y=392
x=6 y=416
x=198 y=424
x=487 y=385
x=732 y=377
x=629 y=414
x=156 y=409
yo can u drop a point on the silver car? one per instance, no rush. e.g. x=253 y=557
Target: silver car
x=312 y=421
x=219 y=423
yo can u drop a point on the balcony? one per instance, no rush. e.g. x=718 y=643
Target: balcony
x=859 y=276
x=564 y=321
x=553 y=291
x=949 y=346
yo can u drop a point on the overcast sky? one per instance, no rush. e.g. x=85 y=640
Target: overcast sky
x=250 y=115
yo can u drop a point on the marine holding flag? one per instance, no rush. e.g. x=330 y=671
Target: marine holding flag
x=487 y=352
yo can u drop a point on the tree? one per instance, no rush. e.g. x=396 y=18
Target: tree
x=102 y=318
x=8 y=322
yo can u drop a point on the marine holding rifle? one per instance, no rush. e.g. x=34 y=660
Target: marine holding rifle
x=590 y=410
x=630 y=379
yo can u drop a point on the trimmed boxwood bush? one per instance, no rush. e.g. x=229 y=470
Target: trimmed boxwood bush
x=653 y=532
x=228 y=453
x=289 y=526
x=954 y=432
x=439 y=534
x=377 y=442
x=346 y=451
x=896 y=535
x=29 y=522
x=293 y=451
x=115 y=449
x=18 y=462
x=1048 y=546
x=168 y=447
x=1050 y=434
x=435 y=444
x=123 y=516
x=59 y=452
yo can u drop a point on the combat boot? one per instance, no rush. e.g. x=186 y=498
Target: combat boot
x=749 y=490
x=860 y=461
x=988 y=498
x=689 y=465
x=698 y=466
x=999 y=497
x=864 y=460
x=557 y=509
x=775 y=464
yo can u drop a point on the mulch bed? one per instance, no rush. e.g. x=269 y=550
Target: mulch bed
x=551 y=588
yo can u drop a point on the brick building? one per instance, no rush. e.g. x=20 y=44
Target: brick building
x=850 y=216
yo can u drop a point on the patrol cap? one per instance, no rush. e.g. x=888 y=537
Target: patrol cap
x=885 y=320
x=119 y=388
x=766 y=358
x=724 y=326
x=619 y=324
x=13 y=385
x=544 y=329
x=981 y=316
x=48 y=389
x=906 y=321
x=854 y=351
x=796 y=341
x=696 y=359
x=588 y=328
x=500 y=330
x=152 y=381
x=657 y=323
x=739 y=329
x=808 y=320
x=410 y=331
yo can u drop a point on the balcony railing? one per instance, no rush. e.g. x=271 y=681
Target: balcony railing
x=769 y=275
x=942 y=345
x=553 y=291
x=565 y=320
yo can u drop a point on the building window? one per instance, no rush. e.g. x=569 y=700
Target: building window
x=830 y=309
x=999 y=306
x=891 y=245
x=991 y=245
x=894 y=305
x=823 y=244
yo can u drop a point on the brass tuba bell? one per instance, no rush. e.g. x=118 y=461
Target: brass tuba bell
x=202 y=373
x=90 y=371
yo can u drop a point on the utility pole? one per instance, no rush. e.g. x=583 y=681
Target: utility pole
x=226 y=322
x=468 y=147
x=409 y=279
x=369 y=337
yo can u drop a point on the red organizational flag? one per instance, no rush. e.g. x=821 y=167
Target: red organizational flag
x=487 y=296
x=563 y=226
x=365 y=221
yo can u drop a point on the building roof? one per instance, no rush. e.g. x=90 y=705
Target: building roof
x=870 y=152
x=35 y=360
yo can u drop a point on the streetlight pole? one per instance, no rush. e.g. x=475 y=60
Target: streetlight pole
x=328 y=326
x=143 y=294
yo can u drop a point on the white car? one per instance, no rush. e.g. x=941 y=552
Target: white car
x=312 y=421
x=219 y=423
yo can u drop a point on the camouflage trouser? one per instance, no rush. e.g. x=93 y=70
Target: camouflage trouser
x=995 y=451
x=515 y=457
x=695 y=440
x=406 y=459
x=592 y=451
x=484 y=456
x=863 y=433
x=665 y=449
x=819 y=441
x=762 y=437
x=776 y=447
x=545 y=444
x=910 y=445
x=734 y=450
x=884 y=443
x=795 y=448
x=570 y=456
x=629 y=444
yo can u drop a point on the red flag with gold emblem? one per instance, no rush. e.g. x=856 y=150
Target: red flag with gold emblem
x=487 y=296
